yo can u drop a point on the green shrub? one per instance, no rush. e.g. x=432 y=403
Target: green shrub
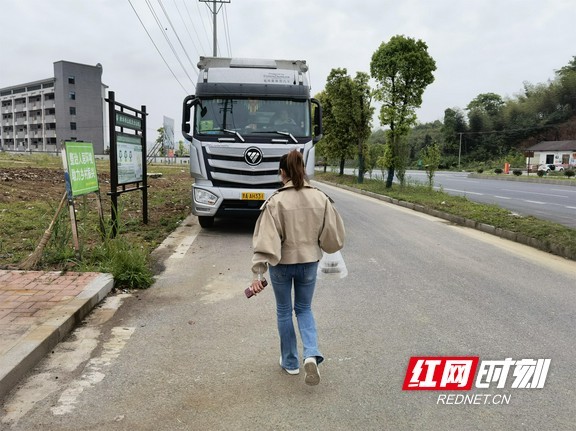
x=498 y=171
x=480 y=170
x=569 y=173
x=540 y=173
x=517 y=172
x=126 y=262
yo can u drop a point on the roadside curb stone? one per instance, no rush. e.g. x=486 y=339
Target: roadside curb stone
x=38 y=309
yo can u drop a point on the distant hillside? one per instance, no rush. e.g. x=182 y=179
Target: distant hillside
x=565 y=131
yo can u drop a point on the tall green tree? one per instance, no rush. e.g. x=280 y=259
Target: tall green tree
x=347 y=116
x=452 y=128
x=402 y=69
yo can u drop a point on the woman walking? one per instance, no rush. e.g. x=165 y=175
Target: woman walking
x=296 y=224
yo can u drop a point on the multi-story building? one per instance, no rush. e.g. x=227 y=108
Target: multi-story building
x=37 y=116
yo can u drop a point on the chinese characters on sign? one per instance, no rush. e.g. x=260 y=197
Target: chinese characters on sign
x=457 y=373
x=80 y=168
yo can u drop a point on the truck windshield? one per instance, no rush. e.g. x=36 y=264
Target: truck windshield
x=253 y=117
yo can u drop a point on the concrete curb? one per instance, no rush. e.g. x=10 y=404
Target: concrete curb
x=37 y=343
x=459 y=220
x=525 y=179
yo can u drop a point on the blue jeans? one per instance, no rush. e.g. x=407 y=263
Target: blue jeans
x=303 y=275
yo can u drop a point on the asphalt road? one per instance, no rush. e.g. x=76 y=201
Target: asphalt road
x=551 y=202
x=192 y=353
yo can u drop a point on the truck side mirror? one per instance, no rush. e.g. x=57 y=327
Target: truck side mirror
x=317 y=120
x=188 y=105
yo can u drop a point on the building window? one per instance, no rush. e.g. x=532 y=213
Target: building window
x=72 y=95
x=71 y=80
x=72 y=110
x=72 y=126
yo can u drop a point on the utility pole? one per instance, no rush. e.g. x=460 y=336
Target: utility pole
x=214 y=6
x=460 y=150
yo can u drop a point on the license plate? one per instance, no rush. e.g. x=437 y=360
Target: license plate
x=252 y=196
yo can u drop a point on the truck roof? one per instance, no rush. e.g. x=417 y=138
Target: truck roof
x=252 y=63
x=246 y=77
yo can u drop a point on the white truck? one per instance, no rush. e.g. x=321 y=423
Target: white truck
x=245 y=115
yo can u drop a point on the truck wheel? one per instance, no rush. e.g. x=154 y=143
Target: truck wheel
x=206 y=221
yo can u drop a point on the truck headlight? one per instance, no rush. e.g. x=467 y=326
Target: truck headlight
x=205 y=197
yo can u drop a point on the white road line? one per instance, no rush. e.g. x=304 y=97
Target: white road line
x=183 y=247
x=535 y=202
x=564 y=191
x=94 y=370
x=535 y=193
x=502 y=197
x=466 y=192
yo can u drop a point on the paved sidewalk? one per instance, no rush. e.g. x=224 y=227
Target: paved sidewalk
x=37 y=310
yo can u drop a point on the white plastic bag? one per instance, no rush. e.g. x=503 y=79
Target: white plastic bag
x=332 y=266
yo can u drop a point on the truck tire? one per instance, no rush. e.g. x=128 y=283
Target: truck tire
x=205 y=221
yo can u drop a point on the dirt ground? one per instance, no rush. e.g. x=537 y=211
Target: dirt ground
x=30 y=184
x=34 y=193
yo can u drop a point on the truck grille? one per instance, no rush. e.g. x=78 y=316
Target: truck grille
x=226 y=166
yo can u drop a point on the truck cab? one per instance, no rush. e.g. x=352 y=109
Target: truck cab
x=245 y=115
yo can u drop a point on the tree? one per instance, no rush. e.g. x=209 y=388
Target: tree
x=454 y=124
x=182 y=150
x=347 y=115
x=160 y=142
x=431 y=160
x=403 y=69
x=488 y=103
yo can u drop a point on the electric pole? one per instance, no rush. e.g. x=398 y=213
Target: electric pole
x=214 y=6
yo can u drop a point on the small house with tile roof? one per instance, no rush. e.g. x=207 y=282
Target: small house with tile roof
x=558 y=153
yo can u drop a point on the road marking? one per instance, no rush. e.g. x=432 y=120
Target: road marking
x=183 y=247
x=93 y=372
x=68 y=356
x=465 y=192
x=535 y=193
x=564 y=191
x=535 y=202
x=502 y=197
x=179 y=242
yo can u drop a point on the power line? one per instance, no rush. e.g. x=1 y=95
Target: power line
x=163 y=31
x=176 y=34
x=215 y=9
x=202 y=21
x=227 y=31
x=157 y=49
x=198 y=51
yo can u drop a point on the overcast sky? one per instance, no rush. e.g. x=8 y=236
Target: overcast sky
x=479 y=46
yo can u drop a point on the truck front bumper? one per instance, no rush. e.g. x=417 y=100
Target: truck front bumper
x=220 y=201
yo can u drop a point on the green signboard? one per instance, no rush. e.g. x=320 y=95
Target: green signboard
x=80 y=167
x=128 y=121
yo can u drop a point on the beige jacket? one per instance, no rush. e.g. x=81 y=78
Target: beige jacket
x=295 y=226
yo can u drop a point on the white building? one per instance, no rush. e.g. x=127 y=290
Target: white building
x=559 y=153
x=37 y=116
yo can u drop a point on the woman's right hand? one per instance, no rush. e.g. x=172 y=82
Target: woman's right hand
x=257 y=286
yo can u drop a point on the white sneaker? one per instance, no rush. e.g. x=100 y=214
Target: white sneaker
x=312 y=373
x=291 y=372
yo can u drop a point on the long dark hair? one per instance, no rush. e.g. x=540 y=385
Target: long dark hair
x=293 y=165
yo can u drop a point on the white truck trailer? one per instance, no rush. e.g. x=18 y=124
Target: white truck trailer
x=245 y=115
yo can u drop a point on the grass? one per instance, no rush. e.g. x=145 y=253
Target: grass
x=27 y=206
x=532 y=227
